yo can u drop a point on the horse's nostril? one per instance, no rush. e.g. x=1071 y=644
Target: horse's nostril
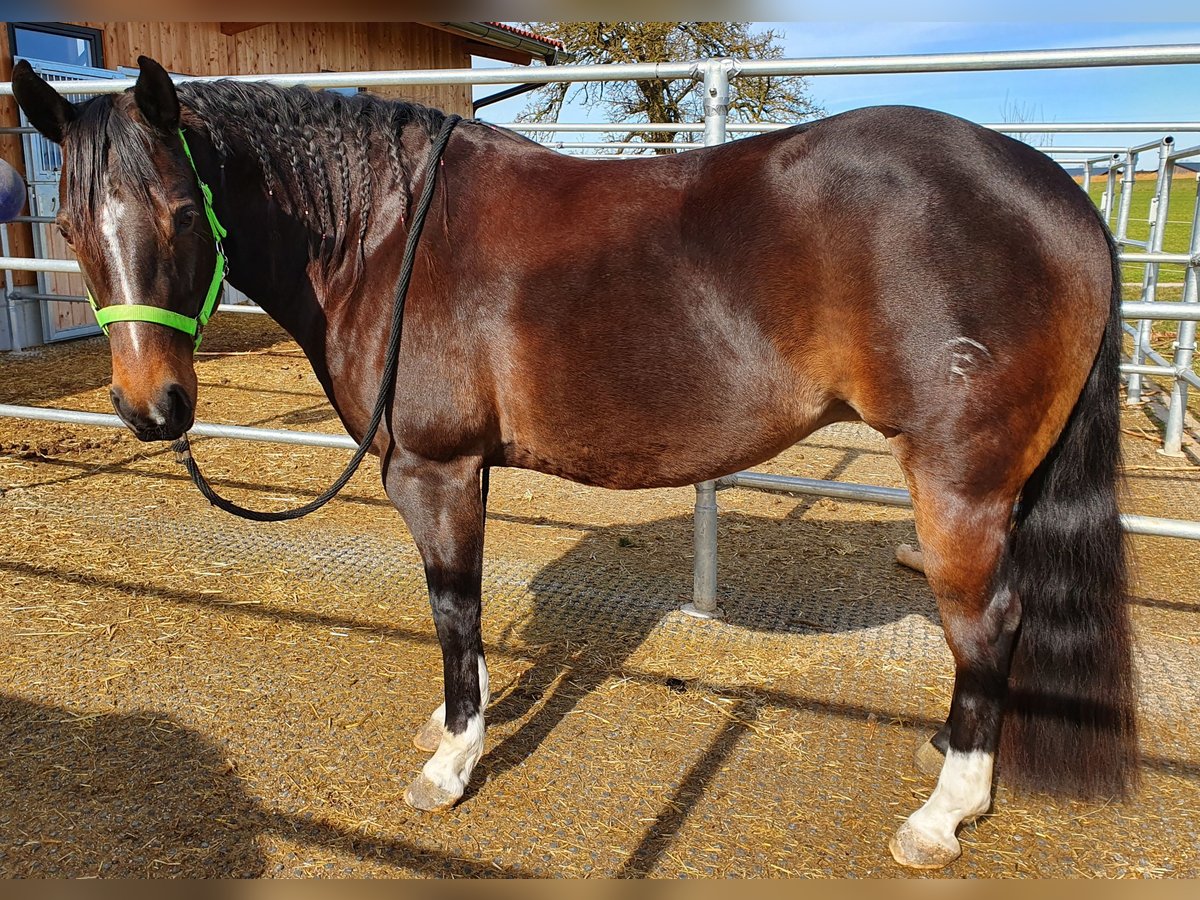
x=178 y=408
x=177 y=396
x=117 y=396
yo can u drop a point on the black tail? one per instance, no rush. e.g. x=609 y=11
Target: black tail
x=1069 y=726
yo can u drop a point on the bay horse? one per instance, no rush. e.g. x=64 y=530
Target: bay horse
x=661 y=322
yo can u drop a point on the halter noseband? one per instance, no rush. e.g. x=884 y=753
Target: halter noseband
x=189 y=325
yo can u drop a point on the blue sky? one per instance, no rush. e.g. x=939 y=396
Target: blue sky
x=1082 y=95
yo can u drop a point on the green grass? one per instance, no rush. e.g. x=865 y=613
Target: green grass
x=1178 y=233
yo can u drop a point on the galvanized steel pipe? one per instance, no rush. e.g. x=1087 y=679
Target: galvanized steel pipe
x=202 y=429
x=716 y=75
x=14 y=340
x=1185 y=346
x=1133 y=389
x=868 y=493
x=991 y=61
x=761 y=127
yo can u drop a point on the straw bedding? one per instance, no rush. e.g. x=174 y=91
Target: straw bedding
x=188 y=695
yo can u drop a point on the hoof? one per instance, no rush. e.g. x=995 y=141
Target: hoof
x=928 y=759
x=424 y=795
x=908 y=555
x=911 y=848
x=429 y=738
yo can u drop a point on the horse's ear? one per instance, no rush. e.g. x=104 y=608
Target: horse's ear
x=155 y=96
x=47 y=110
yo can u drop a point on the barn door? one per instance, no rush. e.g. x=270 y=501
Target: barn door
x=70 y=317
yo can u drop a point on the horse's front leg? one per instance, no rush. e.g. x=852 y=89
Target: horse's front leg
x=442 y=506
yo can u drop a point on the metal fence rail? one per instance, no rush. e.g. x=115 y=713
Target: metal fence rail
x=763 y=127
x=784 y=484
x=991 y=61
x=841 y=490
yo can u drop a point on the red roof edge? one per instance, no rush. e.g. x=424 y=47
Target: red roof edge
x=532 y=35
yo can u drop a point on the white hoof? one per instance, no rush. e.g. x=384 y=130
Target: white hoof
x=915 y=850
x=908 y=555
x=429 y=738
x=426 y=796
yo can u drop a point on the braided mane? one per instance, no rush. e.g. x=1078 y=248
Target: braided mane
x=325 y=157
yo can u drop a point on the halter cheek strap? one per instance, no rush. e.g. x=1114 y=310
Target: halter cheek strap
x=192 y=326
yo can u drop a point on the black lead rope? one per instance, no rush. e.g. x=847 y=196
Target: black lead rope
x=183 y=450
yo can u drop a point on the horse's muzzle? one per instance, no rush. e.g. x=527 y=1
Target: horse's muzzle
x=165 y=419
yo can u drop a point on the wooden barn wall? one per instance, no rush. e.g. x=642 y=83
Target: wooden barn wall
x=201 y=48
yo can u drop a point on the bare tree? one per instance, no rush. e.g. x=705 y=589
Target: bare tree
x=1013 y=112
x=753 y=99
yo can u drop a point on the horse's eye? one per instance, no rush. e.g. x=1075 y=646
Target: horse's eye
x=185 y=219
x=63 y=230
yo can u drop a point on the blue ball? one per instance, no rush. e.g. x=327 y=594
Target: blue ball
x=12 y=192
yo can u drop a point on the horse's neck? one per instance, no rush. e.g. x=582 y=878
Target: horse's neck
x=274 y=249
x=271 y=248
x=303 y=202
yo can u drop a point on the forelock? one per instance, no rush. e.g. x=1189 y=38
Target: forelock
x=108 y=150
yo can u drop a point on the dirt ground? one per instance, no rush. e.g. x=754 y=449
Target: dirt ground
x=186 y=694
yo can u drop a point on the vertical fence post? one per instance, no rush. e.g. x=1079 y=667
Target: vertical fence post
x=1126 y=201
x=1121 y=235
x=1158 y=210
x=1106 y=205
x=704 y=540
x=14 y=328
x=1087 y=177
x=1185 y=344
x=716 y=74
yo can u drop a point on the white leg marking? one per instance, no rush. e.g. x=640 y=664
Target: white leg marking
x=485 y=690
x=485 y=696
x=451 y=766
x=964 y=790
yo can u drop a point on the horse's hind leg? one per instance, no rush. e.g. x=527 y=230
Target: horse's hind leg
x=442 y=506
x=963 y=534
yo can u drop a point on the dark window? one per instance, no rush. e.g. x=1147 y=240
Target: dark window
x=51 y=41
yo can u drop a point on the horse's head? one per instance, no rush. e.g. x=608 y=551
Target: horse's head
x=133 y=211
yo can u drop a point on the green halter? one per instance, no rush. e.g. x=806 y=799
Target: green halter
x=189 y=325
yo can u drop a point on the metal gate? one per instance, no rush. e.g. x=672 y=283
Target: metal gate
x=69 y=317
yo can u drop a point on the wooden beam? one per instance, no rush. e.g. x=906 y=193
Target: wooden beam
x=504 y=54
x=481 y=48
x=232 y=28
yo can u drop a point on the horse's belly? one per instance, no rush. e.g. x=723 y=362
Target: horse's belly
x=689 y=388
x=636 y=450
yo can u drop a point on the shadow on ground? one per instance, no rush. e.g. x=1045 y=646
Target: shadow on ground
x=596 y=605
x=139 y=795
x=117 y=795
